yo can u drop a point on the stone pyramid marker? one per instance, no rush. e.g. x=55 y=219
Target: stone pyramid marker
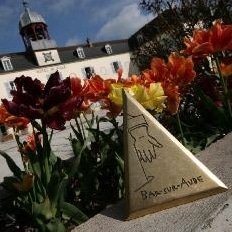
x=160 y=172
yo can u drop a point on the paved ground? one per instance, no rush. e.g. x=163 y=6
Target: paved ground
x=60 y=145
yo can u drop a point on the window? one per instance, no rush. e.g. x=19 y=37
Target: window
x=115 y=66
x=3 y=129
x=9 y=86
x=6 y=63
x=140 y=39
x=108 y=49
x=89 y=72
x=12 y=85
x=80 y=53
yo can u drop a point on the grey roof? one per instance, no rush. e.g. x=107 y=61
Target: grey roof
x=29 y=17
x=26 y=60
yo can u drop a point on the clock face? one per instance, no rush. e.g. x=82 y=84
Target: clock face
x=48 y=56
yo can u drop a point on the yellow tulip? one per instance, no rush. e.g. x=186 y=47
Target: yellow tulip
x=151 y=98
x=115 y=94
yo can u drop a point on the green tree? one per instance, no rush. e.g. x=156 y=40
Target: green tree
x=173 y=20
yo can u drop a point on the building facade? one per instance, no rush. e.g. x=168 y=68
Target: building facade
x=42 y=57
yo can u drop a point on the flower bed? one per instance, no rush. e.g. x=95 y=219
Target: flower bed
x=190 y=93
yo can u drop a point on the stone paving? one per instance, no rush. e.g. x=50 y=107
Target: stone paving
x=60 y=145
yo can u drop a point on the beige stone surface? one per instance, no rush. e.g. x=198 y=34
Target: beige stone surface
x=160 y=172
x=211 y=214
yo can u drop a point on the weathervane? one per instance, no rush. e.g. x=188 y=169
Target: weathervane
x=25 y=3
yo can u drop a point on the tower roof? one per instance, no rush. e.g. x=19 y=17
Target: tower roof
x=29 y=17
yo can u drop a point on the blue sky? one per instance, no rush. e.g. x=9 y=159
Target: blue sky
x=70 y=22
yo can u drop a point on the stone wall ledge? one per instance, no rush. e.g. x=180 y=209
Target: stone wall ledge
x=212 y=214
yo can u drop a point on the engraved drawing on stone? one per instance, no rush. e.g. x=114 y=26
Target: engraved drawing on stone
x=145 y=145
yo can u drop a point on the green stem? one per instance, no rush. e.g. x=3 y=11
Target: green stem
x=46 y=154
x=180 y=128
x=20 y=147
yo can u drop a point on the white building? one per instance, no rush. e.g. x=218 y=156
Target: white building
x=42 y=57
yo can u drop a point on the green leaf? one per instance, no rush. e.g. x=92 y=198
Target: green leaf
x=78 y=151
x=73 y=213
x=218 y=113
x=56 y=190
x=39 y=191
x=11 y=164
x=52 y=158
x=78 y=135
x=34 y=164
x=47 y=221
x=55 y=225
x=120 y=162
x=42 y=210
x=35 y=124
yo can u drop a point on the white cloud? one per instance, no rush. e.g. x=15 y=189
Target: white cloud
x=72 y=41
x=127 y=22
x=107 y=9
x=62 y=6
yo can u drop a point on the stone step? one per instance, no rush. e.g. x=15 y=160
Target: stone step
x=211 y=214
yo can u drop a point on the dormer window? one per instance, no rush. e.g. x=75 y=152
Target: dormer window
x=6 y=63
x=140 y=39
x=80 y=53
x=108 y=49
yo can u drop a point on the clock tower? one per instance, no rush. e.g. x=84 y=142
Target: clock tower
x=34 y=32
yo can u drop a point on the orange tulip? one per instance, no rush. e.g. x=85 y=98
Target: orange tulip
x=132 y=80
x=32 y=140
x=174 y=76
x=26 y=183
x=19 y=123
x=181 y=70
x=221 y=36
x=159 y=69
x=76 y=86
x=206 y=42
x=98 y=88
x=199 y=46
x=173 y=98
x=226 y=70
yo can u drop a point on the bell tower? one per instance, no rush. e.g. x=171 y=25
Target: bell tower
x=33 y=29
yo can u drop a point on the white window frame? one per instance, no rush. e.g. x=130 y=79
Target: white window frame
x=80 y=53
x=108 y=49
x=6 y=63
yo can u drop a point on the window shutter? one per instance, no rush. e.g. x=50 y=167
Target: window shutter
x=8 y=89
